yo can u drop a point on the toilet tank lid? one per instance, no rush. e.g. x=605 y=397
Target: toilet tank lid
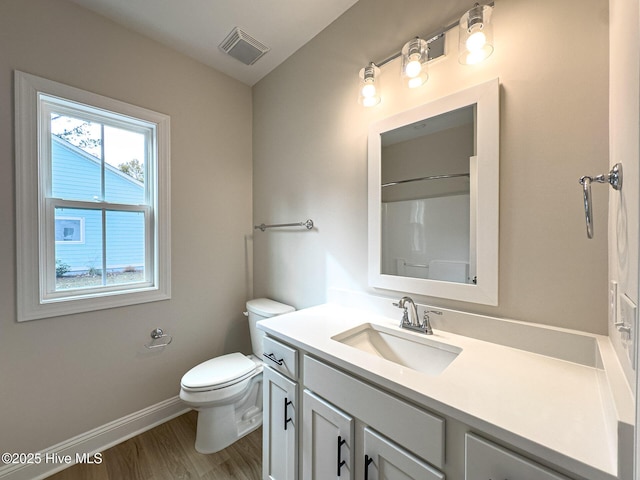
x=267 y=307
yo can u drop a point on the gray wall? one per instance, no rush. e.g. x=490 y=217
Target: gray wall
x=310 y=155
x=63 y=376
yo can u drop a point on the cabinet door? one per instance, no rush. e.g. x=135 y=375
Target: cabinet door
x=486 y=461
x=327 y=448
x=280 y=422
x=384 y=460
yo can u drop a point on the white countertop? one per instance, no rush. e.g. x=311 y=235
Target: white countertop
x=551 y=408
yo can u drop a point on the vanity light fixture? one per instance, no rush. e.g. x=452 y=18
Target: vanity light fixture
x=369 y=85
x=415 y=55
x=475 y=45
x=476 y=35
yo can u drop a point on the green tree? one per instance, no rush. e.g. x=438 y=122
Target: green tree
x=133 y=168
x=76 y=132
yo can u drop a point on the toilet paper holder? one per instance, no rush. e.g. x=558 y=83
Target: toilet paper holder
x=158 y=334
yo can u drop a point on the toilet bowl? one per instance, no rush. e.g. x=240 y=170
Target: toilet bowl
x=227 y=390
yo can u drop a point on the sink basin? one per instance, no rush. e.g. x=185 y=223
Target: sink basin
x=402 y=348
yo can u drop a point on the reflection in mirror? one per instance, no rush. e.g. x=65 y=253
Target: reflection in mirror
x=433 y=198
x=425 y=175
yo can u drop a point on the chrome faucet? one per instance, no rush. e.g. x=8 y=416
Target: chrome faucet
x=410 y=317
x=410 y=314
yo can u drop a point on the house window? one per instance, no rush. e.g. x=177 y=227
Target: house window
x=92 y=201
x=69 y=230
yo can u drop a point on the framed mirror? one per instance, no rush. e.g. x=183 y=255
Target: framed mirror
x=433 y=198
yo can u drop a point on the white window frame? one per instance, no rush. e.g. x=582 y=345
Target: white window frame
x=35 y=208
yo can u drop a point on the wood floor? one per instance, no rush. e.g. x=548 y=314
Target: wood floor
x=167 y=452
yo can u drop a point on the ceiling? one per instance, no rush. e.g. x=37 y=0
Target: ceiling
x=196 y=27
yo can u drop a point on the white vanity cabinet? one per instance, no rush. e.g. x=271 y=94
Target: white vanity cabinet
x=327 y=440
x=499 y=425
x=385 y=460
x=281 y=412
x=487 y=461
x=321 y=422
x=408 y=437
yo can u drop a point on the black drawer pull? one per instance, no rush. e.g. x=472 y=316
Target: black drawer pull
x=286 y=405
x=273 y=358
x=341 y=462
x=367 y=462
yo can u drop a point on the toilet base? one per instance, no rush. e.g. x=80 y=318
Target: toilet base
x=220 y=426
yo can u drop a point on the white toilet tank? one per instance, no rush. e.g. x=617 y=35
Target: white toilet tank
x=259 y=309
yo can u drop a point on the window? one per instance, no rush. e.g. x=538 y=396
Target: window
x=92 y=201
x=69 y=230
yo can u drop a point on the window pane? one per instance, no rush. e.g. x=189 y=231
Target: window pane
x=78 y=248
x=125 y=154
x=125 y=247
x=75 y=158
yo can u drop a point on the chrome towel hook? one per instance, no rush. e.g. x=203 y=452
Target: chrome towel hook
x=614 y=178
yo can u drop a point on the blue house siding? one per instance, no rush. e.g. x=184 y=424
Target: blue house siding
x=76 y=176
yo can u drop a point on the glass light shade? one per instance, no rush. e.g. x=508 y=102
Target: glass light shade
x=369 y=90
x=476 y=35
x=415 y=55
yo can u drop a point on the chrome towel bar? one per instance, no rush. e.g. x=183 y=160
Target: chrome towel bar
x=308 y=224
x=614 y=178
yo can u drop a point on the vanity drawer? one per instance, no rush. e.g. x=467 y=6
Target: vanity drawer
x=280 y=357
x=487 y=461
x=414 y=429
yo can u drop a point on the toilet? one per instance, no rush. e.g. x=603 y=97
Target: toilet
x=227 y=390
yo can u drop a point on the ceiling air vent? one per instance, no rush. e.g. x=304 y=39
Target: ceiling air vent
x=243 y=47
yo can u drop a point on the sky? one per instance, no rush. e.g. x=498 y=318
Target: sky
x=120 y=145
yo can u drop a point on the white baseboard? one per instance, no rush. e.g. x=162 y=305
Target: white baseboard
x=54 y=458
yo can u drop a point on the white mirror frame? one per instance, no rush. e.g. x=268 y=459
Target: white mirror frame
x=487 y=98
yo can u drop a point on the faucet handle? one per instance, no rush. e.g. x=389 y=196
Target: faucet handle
x=426 y=324
x=427 y=312
x=405 y=313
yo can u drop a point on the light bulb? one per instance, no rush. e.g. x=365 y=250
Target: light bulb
x=370 y=101
x=413 y=68
x=415 y=82
x=368 y=90
x=476 y=35
x=477 y=56
x=476 y=41
x=369 y=86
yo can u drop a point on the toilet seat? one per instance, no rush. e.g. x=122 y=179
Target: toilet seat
x=219 y=372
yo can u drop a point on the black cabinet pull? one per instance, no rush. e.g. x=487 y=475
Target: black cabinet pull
x=341 y=462
x=286 y=405
x=273 y=358
x=367 y=462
